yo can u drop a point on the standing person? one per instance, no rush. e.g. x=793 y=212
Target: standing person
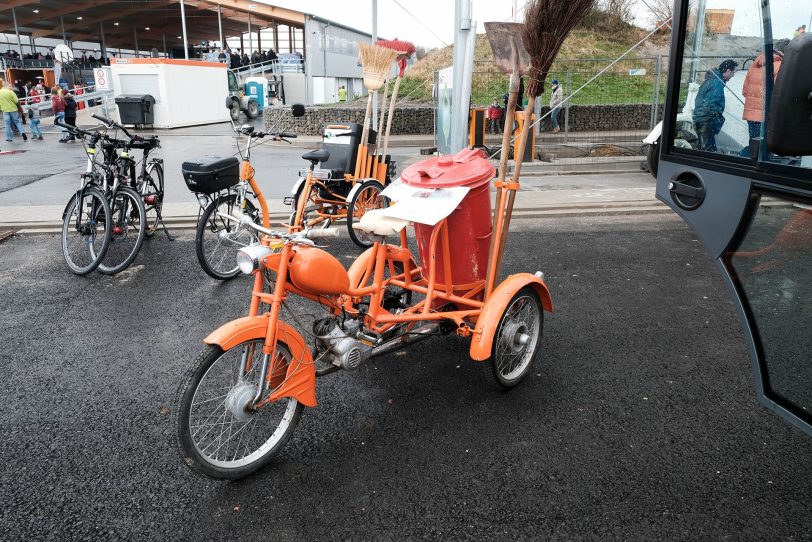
x=245 y=61
x=58 y=107
x=70 y=114
x=272 y=54
x=798 y=31
x=9 y=105
x=753 y=89
x=556 y=99
x=34 y=117
x=342 y=94
x=710 y=104
x=495 y=116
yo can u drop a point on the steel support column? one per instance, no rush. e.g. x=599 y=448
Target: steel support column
x=220 y=26
x=103 y=43
x=250 y=38
x=17 y=32
x=183 y=24
x=64 y=37
x=135 y=37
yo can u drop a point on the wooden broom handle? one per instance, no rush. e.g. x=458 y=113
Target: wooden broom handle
x=389 y=118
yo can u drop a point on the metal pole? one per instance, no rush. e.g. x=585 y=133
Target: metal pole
x=220 y=26
x=33 y=45
x=656 y=102
x=183 y=24
x=103 y=43
x=515 y=13
x=374 y=39
x=567 y=110
x=250 y=38
x=165 y=53
x=463 y=66
x=64 y=37
x=276 y=37
x=135 y=37
x=17 y=31
x=700 y=31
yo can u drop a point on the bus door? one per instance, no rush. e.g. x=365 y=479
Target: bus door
x=736 y=165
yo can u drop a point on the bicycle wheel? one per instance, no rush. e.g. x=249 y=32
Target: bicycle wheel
x=517 y=341
x=366 y=198
x=312 y=215
x=219 y=434
x=86 y=230
x=151 y=188
x=217 y=240
x=127 y=230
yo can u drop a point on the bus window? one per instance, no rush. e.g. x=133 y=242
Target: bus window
x=788 y=22
x=720 y=45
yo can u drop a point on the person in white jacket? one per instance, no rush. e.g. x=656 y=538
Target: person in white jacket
x=556 y=100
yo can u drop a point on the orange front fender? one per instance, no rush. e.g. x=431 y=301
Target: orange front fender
x=300 y=380
x=486 y=324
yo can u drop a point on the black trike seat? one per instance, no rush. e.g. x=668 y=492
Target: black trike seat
x=317 y=156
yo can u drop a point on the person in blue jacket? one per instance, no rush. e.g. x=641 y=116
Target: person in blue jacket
x=710 y=105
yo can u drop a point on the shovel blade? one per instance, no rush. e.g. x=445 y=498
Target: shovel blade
x=508 y=49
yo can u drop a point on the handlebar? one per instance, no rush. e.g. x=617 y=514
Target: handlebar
x=110 y=122
x=244 y=220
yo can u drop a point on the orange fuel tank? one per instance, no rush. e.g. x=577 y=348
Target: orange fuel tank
x=317 y=272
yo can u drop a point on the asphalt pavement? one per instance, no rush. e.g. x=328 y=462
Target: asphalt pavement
x=639 y=423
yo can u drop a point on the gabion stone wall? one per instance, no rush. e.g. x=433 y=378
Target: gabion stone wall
x=419 y=119
x=407 y=119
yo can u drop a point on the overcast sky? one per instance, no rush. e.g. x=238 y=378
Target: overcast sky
x=435 y=27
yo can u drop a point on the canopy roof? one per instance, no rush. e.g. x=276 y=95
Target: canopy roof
x=83 y=20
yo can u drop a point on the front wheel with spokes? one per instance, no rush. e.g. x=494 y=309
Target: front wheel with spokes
x=517 y=341
x=127 y=231
x=220 y=433
x=218 y=239
x=86 y=230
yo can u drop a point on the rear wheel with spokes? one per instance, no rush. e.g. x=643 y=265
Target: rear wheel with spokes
x=517 y=341
x=86 y=230
x=220 y=434
x=151 y=188
x=127 y=230
x=313 y=215
x=217 y=240
x=366 y=198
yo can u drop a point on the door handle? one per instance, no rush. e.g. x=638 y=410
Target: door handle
x=687 y=190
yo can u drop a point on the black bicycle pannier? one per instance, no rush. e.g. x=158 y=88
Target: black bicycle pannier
x=211 y=174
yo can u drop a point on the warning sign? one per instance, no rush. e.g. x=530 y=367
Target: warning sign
x=102 y=76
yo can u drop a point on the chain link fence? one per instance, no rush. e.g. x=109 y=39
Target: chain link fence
x=603 y=122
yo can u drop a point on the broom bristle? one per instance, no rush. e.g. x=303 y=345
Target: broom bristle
x=377 y=62
x=405 y=49
x=402 y=47
x=546 y=25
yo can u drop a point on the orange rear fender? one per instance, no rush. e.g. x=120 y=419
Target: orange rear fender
x=488 y=320
x=300 y=381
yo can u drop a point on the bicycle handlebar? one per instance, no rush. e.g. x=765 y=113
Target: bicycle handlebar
x=111 y=122
x=307 y=234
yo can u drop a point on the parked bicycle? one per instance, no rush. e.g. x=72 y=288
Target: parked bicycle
x=86 y=221
x=126 y=195
x=221 y=186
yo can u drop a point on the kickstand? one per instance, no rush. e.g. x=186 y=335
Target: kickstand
x=161 y=222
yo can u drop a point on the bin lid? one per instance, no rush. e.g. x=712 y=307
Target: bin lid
x=469 y=167
x=134 y=98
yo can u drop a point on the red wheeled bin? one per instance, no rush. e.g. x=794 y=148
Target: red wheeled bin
x=469 y=225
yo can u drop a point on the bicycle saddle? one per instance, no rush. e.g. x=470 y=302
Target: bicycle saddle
x=316 y=156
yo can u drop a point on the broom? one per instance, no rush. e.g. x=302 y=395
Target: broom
x=376 y=61
x=405 y=50
x=547 y=24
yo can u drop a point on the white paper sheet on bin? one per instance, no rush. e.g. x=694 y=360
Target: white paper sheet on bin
x=423 y=205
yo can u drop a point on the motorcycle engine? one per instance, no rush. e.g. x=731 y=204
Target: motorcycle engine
x=339 y=343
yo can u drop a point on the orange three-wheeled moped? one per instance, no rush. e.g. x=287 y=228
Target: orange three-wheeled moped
x=242 y=398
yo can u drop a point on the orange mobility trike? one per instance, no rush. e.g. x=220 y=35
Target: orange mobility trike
x=241 y=400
